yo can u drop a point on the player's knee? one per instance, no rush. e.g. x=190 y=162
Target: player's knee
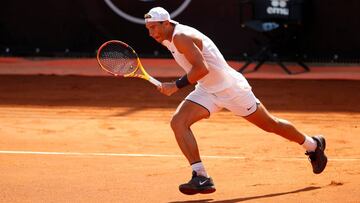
x=173 y=123
x=177 y=122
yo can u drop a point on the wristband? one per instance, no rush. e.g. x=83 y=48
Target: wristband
x=182 y=82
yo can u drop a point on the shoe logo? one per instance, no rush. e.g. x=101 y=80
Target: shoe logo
x=250 y=107
x=203 y=182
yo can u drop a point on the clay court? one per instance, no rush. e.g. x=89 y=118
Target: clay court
x=67 y=136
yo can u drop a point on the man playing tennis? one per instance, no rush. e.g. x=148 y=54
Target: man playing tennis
x=218 y=86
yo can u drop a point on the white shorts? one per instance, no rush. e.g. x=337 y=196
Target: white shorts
x=239 y=100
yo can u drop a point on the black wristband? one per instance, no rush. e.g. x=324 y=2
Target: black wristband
x=182 y=82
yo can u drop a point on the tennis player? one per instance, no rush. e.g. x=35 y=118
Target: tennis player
x=217 y=86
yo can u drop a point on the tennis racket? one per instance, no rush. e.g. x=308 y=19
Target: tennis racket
x=119 y=59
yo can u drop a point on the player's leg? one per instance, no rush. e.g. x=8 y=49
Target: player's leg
x=269 y=123
x=187 y=114
x=243 y=102
x=314 y=146
x=197 y=105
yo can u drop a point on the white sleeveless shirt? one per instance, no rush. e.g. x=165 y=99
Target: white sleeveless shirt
x=220 y=76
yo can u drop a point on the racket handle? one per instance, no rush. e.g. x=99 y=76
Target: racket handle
x=154 y=81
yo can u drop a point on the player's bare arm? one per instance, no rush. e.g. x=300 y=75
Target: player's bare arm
x=191 y=48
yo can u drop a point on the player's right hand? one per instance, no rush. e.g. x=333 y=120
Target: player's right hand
x=168 y=88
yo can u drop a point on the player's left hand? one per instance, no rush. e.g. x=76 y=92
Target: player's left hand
x=168 y=88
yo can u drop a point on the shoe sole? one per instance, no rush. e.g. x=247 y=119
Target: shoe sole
x=191 y=191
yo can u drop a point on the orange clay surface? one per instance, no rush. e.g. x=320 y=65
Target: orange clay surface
x=106 y=139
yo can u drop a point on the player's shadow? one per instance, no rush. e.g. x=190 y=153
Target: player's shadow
x=128 y=111
x=241 y=199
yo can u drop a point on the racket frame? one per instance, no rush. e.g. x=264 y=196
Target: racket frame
x=133 y=74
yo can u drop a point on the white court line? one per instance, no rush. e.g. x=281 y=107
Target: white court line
x=166 y=155
x=112 y=154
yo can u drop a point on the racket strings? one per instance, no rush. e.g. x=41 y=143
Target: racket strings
x=118 y=59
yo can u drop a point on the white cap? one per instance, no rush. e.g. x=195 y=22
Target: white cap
x=158 y=14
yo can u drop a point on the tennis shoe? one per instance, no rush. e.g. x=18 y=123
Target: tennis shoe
x=198 y=184
x=318 y=158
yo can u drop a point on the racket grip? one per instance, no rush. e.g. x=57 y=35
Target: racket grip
x=154 y=81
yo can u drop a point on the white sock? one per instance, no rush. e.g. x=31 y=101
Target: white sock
x=309 y=144
x=199 y=169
